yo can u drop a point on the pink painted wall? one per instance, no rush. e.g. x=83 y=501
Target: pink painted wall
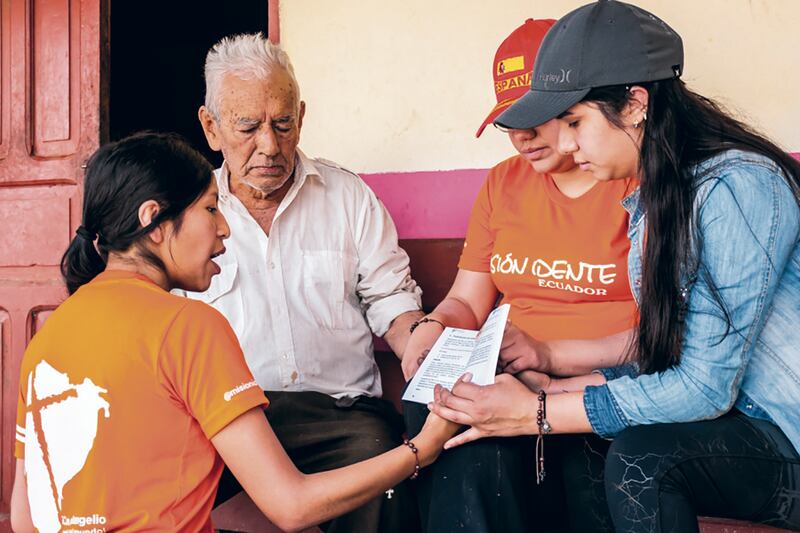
x=428 y=205
x=433 y=204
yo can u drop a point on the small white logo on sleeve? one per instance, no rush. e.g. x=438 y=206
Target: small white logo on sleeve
x=239 y=388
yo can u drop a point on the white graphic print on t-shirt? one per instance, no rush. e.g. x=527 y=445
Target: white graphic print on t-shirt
x=60 y=428
x=559 y=274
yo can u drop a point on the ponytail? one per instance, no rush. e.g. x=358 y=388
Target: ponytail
x=81 y=262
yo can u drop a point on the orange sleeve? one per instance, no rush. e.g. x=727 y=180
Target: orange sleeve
x=479 y=242
x=203 y=365
x=19 y=442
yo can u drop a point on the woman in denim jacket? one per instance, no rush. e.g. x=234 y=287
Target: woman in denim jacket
x=707 y=419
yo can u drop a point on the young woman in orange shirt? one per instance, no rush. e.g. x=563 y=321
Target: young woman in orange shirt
x=131 y=398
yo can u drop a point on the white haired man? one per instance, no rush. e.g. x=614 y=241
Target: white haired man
x=312 y=270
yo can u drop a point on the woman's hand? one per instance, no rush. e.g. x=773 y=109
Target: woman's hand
x=505 y=408
x=432 y=437
x=420 y=343
x=519 y=351
x=536 y=381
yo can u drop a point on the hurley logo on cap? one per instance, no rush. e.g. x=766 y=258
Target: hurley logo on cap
x=556 y=77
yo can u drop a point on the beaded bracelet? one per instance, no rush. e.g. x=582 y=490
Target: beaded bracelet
x=422 y=321
x=544 y=429
x=414 y=449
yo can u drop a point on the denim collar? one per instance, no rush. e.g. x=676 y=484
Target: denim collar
x=633 y=207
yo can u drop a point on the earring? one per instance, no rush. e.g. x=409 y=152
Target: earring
x=639 y=122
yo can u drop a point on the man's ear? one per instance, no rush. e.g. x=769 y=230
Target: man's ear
x=147 y=213
x=300 y=115
x=210 y=128
x=636 y=108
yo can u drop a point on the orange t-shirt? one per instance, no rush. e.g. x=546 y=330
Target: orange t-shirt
x=562 y=263
x=120 y=393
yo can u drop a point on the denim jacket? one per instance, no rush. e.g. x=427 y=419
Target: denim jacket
x=748 y=222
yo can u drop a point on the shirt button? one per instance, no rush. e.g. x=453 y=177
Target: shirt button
x=749 y=406
x=271 y=265
x=286 y=357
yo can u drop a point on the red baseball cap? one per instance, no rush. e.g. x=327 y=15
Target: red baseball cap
x=513 y=65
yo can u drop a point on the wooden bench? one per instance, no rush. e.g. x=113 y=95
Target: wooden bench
x=433 y=264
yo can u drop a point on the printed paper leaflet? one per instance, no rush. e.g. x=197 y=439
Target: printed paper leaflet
x=458 y=351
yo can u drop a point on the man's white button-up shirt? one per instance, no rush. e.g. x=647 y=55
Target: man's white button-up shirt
x=305 y=301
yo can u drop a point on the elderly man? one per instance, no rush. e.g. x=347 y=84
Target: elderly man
x=312 y=270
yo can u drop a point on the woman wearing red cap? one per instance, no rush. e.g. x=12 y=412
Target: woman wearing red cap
x=551 y=239
x=710 y=422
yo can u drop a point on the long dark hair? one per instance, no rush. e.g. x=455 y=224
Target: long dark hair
x=683 y=128
x=120 y=177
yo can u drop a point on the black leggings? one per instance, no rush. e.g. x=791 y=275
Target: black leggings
x=488 y=486
x=654 y=479
x=659 y=478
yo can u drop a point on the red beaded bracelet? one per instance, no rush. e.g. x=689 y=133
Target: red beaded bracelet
x=414 y=449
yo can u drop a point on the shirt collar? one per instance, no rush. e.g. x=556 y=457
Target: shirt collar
x=305 y=167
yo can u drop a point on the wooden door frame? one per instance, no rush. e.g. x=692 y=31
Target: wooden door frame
x=54 y=70
x=273 y=21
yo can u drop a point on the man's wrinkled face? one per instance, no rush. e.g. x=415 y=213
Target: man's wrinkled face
x=257 y=130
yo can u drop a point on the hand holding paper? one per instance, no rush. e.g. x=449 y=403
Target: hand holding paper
x=458 y=351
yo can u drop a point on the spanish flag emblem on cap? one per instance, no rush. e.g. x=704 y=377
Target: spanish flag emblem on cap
x=511 y=64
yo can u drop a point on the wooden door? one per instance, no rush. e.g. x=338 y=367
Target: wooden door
x=50 y=116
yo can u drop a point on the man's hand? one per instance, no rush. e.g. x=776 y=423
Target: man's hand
x=519 y=352
x=399 y=331
x=505 y=408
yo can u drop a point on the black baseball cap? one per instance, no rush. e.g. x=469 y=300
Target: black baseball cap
x=604 y=43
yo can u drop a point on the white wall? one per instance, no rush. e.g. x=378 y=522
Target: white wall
x=401 y=86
